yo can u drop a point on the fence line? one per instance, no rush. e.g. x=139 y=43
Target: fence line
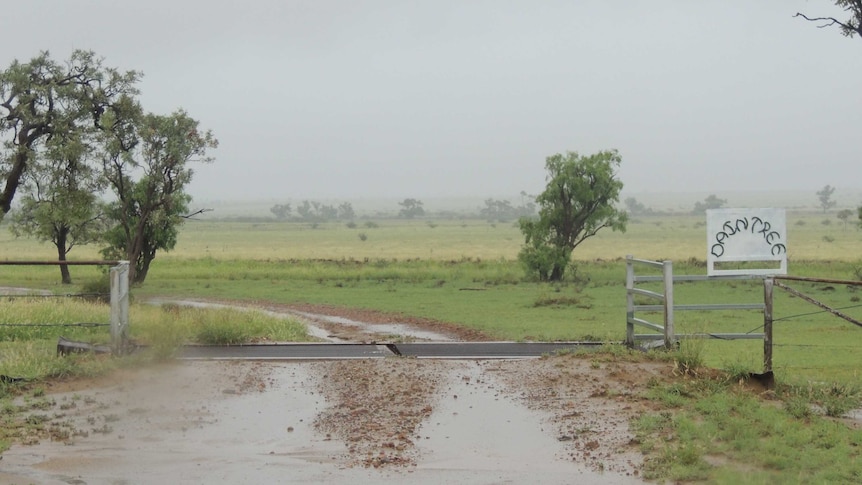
x=119 y=276
x=667 y=306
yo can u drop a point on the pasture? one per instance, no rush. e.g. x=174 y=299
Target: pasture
x=465 y=271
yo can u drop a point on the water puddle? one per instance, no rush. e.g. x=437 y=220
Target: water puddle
x=194 y=423
x=312 y=330
x=476 y=431
x=400 y=330
x=14 y=291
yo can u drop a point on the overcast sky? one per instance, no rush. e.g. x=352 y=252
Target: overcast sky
x=441 y=98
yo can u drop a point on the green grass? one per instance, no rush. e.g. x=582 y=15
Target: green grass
x=473 y=280
x=28 y=349
x=466 y=272
x=709 y=422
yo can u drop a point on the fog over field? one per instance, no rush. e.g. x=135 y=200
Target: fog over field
x=380 y=99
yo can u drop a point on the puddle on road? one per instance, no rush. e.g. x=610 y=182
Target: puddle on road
x=312 y=330
x=476 y=431
x=399 y=329
x=188 y=424
x=252 y=422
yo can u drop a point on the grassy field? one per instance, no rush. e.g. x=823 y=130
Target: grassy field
x=465 y=271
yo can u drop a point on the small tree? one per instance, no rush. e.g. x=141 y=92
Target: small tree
x=577 y=202
x=61 y=205
x=711 y=202
x=824 y=195
x=636 y=208
x=346 y=212
x=411 y=208
x=497 y=210
x=281 y=211
x=149 y=207
x=844 y=215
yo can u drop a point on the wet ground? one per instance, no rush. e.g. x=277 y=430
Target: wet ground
x=392 y=420
x=248 y=422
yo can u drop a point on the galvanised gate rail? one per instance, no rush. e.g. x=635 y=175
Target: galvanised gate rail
x=668 y=307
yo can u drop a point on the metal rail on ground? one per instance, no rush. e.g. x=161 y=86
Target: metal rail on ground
x=419 y=350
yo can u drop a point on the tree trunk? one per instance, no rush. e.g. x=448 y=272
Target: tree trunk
x=557 y=273
x=136 y=245
x=61 y=256
x=148 y=254
x=13 y=179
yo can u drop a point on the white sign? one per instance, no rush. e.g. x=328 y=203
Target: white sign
x=744 y=238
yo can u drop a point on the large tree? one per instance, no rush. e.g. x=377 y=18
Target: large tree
x=850 y=27
x=61 y=203
x=147 y=166
x=578 y=201
x=42 y=98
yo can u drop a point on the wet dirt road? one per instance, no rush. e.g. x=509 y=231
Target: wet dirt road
x=391 y=420
x=248 y=422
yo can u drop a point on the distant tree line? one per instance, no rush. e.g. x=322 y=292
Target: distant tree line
x=313 y=211
x=503 y=210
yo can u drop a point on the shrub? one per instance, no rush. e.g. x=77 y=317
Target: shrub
x=98 y=290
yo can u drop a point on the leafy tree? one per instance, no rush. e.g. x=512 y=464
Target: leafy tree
x=327 y=212
x=281 y=211
x=844 y=215
x=61 y=205
x=305 y=211
x=497 y=210
x=850 y=27
x=43 y=98
x=345 y=211
x=577 y=202
x=313 y=211
x=636 y=208
x=411 y=208
x=149 y=209
x=528 y=205
x=711 y=202
x=824 y=195
x=158 y=233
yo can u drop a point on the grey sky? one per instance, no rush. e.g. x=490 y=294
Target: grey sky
x=389 y=98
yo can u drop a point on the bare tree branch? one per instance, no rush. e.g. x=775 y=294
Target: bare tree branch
x=850 y=27
x=200 y=211
x=832 y=21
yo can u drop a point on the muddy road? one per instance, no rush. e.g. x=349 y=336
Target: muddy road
x=562 y=419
